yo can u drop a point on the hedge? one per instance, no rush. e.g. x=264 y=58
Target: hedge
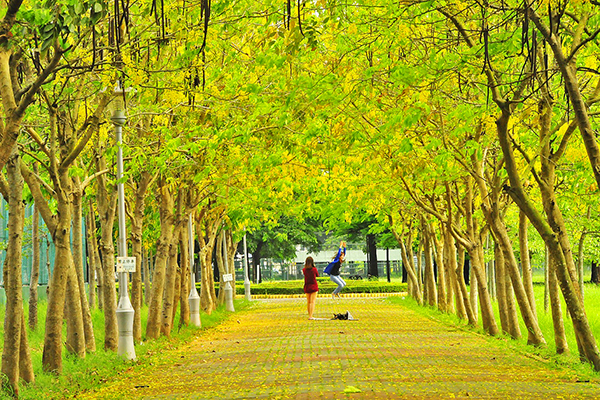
x=325 y=286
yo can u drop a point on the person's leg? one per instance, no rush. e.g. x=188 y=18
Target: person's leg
x=311 y=304
x=308 y=304
x=332 y=277
x=338 y=281
x=343 y=283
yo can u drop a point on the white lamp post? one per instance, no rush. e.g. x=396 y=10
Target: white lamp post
x=227 y=278
x=193 y=298
x=247 y=283
x=125 y=311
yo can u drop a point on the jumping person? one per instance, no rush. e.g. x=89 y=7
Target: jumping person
x=311 y=287
x=333 y=269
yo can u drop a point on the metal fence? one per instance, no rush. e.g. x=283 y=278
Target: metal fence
x=47 y=249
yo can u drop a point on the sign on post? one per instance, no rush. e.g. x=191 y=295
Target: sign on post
x=125 y=264
x=227 y=277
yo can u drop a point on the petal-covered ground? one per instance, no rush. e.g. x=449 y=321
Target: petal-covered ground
x=272 y=351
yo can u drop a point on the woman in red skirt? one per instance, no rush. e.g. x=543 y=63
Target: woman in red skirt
x=311 y=287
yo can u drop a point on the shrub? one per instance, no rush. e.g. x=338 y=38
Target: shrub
x=325 y=286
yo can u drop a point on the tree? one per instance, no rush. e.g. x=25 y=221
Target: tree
x=280 y=239
x=16 y=356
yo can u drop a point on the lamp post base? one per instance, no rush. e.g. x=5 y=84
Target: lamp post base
x=247 y=291
x=126 y=347
x=229 y=298
x=194 y=302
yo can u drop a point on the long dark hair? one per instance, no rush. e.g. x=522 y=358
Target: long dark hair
x=309 y=263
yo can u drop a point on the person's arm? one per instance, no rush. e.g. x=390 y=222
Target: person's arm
x=338 y=255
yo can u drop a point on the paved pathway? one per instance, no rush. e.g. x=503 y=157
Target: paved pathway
x=271 y=351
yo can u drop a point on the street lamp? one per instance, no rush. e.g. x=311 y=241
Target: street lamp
x=247 y=283
x=193 y=298
x=226 y=285
x=125 y=311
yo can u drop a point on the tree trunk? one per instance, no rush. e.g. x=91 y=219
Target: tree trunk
x=546 y=279
x=485 y=303
x=562 y=256
x=372 y=249
x=554 y=244
x=77 y=234
x=408 y=262
x=473 y=300
x=94 y=255
x=535 y=336
x=169 y=305
x=490 y=268
x=462 y=288
x=107 y=207
x=455 y=269
x=419 y=265
x=501 y=289
x=35 y=270
x=15 y=332
x=505 y=290
x=221 y=266
x=580 y=256
x=449 y=262
x=63 y=266
x=91 y=263
x=147 y=277
x=25 y=362
x=560 y=338
x=75 y=342
x=211 y=225
x=526 y=262
x=231 y=250
x=568 y=70
x=184 y=305
x=442 y=291
x=431 y=293
x=137 y=224
x=176 y=291
x=160 y=264
x=595 y=278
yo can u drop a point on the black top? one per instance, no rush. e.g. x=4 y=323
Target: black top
x=335 y=270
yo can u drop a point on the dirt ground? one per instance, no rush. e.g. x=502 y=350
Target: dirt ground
x=272 y=351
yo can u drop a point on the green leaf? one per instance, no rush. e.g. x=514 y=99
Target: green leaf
x=352 y=389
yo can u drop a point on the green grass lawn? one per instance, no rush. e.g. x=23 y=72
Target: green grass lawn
x=84 y=374
x=592 y=305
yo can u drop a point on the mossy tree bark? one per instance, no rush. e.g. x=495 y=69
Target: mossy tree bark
x=160 y=264
x=471 y=241
x=77 y=233
x=405 y=242
x=221 y=267
x=443 y=302
x=97 y=276
x=35 y=270
x=16 y=358
x=526 y=262
x=172 y=271
x=141 y=186
x=208 y=223
x=431 y=292
x=106 y=202
x=185 y=288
